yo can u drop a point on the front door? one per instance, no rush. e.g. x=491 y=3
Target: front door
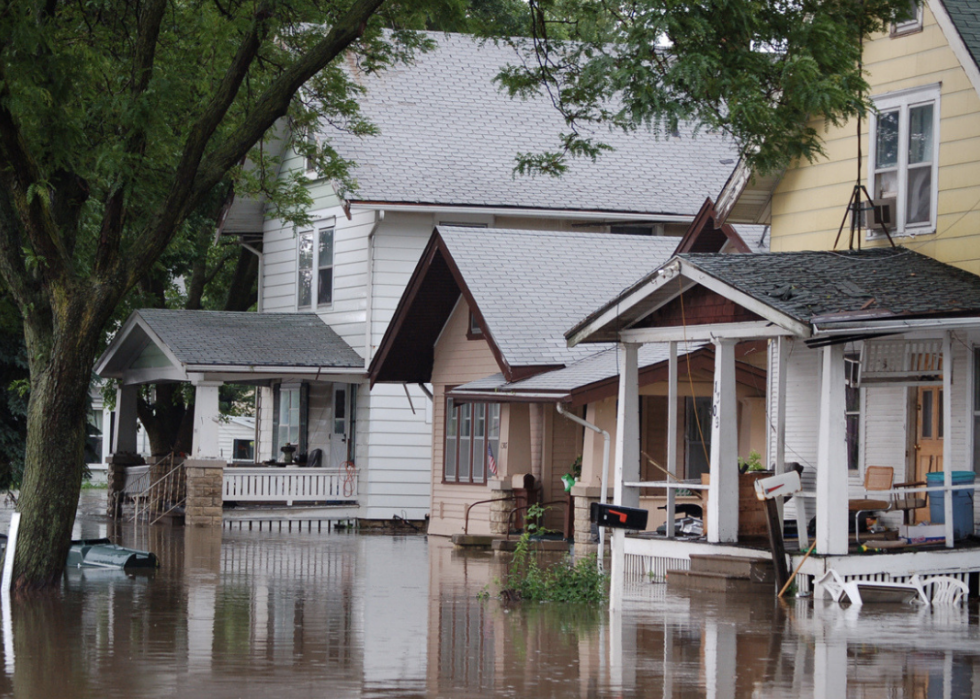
x=340 y=428
x=928 y=437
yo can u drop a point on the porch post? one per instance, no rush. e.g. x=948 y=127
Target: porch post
x=206 y=415
x=124 y=437
x=671 y=433
x=723 y=489
x=832 y=513
x=947 y=409
x=627 y=462
x=779 y=443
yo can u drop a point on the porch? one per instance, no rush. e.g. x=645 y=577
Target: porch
x=850 y=345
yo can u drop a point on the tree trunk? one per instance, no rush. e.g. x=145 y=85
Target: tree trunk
x=61 y=369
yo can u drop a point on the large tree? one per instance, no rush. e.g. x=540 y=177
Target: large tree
x=117 y=121
x=757 y=70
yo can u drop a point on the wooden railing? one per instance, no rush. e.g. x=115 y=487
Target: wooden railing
x=290 y=485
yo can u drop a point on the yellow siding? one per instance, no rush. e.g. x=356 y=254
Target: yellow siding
x=457 y=360
x=809 y=203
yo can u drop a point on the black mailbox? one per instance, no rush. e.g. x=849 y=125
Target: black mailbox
x=618 y=517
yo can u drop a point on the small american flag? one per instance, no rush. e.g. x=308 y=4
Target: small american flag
x=491 y=462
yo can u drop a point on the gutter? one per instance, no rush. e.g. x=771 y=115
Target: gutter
x=368 y=316
x=605 y=470
x=587 y=215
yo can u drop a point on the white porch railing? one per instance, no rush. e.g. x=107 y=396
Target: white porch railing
x=289 y=484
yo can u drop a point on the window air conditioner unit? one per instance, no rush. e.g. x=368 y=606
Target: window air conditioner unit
x=882 y=211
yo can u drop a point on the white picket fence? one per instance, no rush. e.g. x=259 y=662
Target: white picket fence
x=290 y=485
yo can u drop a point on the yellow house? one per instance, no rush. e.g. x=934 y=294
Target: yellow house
x=920 y=150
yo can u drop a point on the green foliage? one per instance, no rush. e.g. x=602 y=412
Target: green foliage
x=757 y=70
x=564 y=581
x=753 y=463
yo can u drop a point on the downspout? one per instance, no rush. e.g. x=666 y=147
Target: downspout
x=258 y=254
x=378 y=218
x=605 y=469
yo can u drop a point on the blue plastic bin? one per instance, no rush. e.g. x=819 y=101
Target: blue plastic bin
x=962 y=503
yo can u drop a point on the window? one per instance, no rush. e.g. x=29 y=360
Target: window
x=852 y=409
x=93 y=440
x=315 y=253
x=474 y=331
x=243 y=450
x=304 y=282
x=472 y=439
x=324 y=282
x=976 y=409
x=911 y=22
x=288 y=416
x=904 y=157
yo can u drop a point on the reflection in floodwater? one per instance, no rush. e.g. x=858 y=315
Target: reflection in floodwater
x=263 y=614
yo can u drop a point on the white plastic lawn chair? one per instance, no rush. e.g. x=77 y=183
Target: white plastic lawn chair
x=831 y=585
x=946 y=591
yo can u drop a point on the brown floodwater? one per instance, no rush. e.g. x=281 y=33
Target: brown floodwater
x=338 y=614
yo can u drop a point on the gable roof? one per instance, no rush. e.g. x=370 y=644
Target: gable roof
x=965 y=16
x=524 y=287
x=801 y=289
x=449 y=135
x=207 y=340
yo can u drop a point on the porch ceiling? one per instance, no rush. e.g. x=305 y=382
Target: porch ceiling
x=161 y=345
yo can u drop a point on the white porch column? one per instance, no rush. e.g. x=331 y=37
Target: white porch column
x=627 y=462
x=671 y=433
x=206 y=414
x=124 y=433
x=947 y=409
x=832 y=513
x=723 y=489
x=778 y=440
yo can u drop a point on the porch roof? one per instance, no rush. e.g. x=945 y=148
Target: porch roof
x=596 y=377
x=163 y=344
x=799 y=291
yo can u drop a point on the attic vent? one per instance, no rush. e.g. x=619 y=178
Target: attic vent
x=902 y=361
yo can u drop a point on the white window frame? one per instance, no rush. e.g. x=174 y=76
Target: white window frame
x=909 y=26
x=317 y=264
x=902 y=101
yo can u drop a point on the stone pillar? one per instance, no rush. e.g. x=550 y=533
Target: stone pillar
x=586 y=538
x=117 y=480
x=501 y=507
x=205 y=479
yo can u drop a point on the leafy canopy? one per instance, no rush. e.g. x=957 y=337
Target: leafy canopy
x=755 y=69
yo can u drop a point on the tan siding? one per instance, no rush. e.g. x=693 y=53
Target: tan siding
x=809 y=203
x=457 y=360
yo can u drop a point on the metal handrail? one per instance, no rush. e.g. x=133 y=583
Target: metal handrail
x=510 y=517
x=169 y=484
x=466 y=516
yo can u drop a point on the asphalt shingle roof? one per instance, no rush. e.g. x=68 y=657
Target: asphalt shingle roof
x=530 y=286
x=448 y=135
x=965 y=15
x=879 y=282
x=250 y=339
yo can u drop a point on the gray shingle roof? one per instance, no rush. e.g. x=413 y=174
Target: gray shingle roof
x=449 y=136
x=531 y=286
x=596 y=367
x=880 y=282
x=250 y=339
x=965 y=15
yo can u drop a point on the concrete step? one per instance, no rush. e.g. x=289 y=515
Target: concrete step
x=472 y=541
x=699 y=581
x=738 y=567
x=536 y=545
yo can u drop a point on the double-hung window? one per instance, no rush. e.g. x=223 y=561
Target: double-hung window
x=315 y=267
x=905 y=157
x=472 y=440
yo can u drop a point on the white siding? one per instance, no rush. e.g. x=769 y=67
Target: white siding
x=263 y=448
x=319 y=418
x=228 y=432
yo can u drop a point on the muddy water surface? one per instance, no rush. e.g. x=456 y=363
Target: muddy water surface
x=318 y=614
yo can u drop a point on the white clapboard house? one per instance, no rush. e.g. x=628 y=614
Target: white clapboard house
x=444 y=155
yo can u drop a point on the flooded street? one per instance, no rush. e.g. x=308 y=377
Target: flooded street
x=308 y=614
